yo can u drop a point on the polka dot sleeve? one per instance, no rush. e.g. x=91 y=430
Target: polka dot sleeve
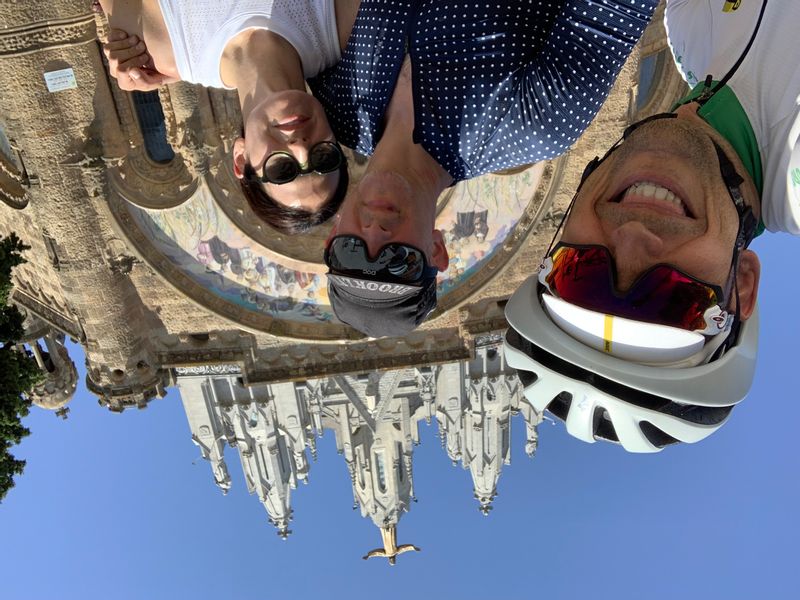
x=518 y=82
x=496 y=84
x=356 y=92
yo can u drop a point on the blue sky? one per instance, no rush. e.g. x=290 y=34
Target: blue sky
x=121 y=506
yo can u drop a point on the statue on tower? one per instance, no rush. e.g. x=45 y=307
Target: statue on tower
x=390 y=548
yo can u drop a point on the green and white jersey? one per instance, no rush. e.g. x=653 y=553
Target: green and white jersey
x=708 y=37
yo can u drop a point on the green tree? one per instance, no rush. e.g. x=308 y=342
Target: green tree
x=19 y=372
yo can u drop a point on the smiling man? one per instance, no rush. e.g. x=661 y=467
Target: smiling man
x=640 y=326
x=661 y=197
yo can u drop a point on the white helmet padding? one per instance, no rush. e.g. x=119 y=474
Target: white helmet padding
x=599 y=395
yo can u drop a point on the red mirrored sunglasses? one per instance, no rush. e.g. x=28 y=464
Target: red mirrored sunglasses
x=586 y=276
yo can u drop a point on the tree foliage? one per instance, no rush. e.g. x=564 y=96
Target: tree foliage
x=19 y=372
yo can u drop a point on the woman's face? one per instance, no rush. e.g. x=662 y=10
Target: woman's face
x=290 y=121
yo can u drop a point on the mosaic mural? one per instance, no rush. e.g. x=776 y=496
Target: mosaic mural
x=205 y=245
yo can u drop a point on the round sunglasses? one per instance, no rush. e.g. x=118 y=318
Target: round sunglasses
x=281 y=167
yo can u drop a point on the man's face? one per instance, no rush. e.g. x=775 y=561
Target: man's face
x=660 y=198
x=382 y=209
x=293 y=122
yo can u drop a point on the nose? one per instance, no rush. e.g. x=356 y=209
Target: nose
x=376 y=228
x=635 y=249
x=298 y=146
x=375 y=225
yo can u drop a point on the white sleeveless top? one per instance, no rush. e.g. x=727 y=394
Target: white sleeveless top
x=200 y=29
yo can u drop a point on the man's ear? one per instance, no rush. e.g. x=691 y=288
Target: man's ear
x=239 y=160
x=439 y=257
x=748 y=274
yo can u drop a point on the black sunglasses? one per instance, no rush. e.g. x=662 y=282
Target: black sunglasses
x=281 y=167
x=348 y=255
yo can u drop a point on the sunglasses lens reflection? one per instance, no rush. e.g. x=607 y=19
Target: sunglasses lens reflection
x=325 y=157
x=281 y=168
x=662 y=295
x=395 y=261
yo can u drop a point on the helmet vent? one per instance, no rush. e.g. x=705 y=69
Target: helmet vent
x=603 y=427
x=704 y=415
x=655 y=436
x=527 y=377
x=560 y=405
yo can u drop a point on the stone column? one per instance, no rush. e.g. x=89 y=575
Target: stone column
x=56 y=102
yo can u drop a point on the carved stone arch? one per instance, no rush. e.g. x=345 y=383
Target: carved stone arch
x=208 y=249
x=150 y=185
x=13 y=182
x=144 y=181
x=140 y=179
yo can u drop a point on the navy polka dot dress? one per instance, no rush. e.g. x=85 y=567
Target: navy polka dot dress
x=496 y=84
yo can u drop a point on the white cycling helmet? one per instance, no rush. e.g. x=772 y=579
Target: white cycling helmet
x=672 y=393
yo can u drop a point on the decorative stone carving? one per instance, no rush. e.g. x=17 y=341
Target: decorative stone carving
x=12 y=184
x=61 y=376
x=151 y=185
x=374 y=416
x=47 y=34
x=129 y=391
x=48 y=313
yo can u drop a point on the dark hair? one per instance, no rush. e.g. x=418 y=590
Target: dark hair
x=287 y=219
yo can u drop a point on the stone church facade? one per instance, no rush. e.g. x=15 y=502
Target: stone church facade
x=375 y=419
x=145 y=253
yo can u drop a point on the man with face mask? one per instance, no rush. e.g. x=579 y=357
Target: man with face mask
x=438 y=91
x=640 y=326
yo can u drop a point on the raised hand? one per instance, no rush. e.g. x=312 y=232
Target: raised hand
x=130 y=63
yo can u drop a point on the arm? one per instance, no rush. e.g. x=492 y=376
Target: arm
x=520 y=82
x=138 y=48
x=569 y=78
x=131 y=65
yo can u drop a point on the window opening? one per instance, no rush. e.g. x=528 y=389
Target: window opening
x=153 y=126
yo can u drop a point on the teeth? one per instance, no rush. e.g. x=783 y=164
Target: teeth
x=648 y=189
